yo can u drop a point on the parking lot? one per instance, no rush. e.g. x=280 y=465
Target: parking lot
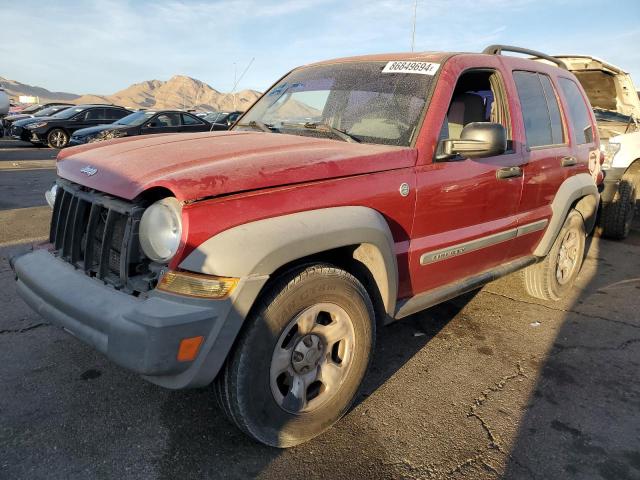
x=491 y=385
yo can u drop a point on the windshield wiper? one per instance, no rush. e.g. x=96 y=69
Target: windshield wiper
x=325 y=127
x=258 y=126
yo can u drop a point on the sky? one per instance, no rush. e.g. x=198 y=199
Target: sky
x=103 y=46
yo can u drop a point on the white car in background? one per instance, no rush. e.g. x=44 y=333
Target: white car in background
x=617 y=109
x=4 y=102
x=4 y=108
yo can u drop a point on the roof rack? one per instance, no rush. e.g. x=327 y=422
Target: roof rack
x=498 y=49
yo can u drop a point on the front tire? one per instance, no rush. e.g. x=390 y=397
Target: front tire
x=57 y=138
x=299 y=363
x=617 y=216
x=553 y=277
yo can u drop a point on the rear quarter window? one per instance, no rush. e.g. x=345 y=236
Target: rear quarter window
x=579 y=117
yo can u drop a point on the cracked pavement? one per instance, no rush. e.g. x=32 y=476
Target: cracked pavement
x=494 y=384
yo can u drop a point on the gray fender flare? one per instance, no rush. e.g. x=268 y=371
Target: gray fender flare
x=259 y=248
x=578 y=191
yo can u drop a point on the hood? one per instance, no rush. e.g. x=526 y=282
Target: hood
x=40 y=119
x=26 y=121
x=15 y=118
x=207 y=164
x=99 y=128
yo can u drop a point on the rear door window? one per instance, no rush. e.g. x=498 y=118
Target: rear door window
x=540 y=111
x=578 y=112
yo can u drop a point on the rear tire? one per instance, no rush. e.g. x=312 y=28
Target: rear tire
x=57 y=138
x=616 y=217
x=317 y=321
x=553 y=277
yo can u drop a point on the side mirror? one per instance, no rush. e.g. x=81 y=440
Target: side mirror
x=151 y=125
x=477 y=140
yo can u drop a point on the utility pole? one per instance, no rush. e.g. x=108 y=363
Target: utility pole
x=236 y=81
x=413 y=35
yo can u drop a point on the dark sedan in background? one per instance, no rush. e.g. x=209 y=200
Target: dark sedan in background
x=56 y=130
x=32 y=111
x=16 y=127
x=142 y=123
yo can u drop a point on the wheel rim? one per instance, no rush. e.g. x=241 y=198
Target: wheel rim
x=312 y=358
x=568 y=257
x=58 y=138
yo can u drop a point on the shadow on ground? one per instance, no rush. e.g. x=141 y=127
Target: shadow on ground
x=583 y=418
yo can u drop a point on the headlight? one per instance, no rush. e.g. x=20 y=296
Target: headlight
x=36 y=125
x=161 y=229
x=609 y=150
x=50 y=195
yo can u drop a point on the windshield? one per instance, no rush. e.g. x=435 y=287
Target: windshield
x=367 y=101
x=69 y=112
x=135 y=119
x=49 y=111
x=31 y=109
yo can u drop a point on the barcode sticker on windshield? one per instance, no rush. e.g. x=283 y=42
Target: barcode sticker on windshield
x=423 y=68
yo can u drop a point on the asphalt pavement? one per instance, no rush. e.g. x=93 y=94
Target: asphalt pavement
x=494 y=384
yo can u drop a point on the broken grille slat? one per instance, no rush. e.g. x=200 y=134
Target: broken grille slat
x=68 y=227
x=79 y=227
x=89 y=246
x=62 y=218
x=105 y=249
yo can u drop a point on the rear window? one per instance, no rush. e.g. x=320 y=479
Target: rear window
x=578 y=113
x=540 y=110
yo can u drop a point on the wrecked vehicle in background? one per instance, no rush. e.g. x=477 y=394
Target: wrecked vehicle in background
x=617 y=109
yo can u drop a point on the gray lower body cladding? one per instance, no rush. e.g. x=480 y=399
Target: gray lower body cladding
x=141 y=334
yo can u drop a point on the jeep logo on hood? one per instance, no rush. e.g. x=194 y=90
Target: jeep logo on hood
x=89 y=170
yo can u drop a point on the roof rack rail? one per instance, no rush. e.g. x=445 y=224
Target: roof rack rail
x=498 y=49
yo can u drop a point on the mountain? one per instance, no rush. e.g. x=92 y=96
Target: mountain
x=15 y=89
x=178 y=92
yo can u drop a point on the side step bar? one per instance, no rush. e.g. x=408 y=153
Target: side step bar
x=442 y=294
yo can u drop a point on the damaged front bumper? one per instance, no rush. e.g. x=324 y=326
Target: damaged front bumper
x=141 y=334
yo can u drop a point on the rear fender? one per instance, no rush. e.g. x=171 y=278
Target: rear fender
x=579 y=192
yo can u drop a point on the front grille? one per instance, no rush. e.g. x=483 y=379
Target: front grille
x=99 y=234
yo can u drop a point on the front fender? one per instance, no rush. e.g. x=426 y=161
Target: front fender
x=259 y=248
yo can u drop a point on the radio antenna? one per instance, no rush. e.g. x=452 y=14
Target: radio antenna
x=413 y=35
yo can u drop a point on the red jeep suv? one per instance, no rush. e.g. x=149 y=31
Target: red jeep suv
x=353 y=193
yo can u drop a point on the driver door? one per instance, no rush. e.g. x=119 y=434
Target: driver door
x=466 y=210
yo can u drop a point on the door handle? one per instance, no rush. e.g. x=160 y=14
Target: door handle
x=508 y=172
x=568 y=161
